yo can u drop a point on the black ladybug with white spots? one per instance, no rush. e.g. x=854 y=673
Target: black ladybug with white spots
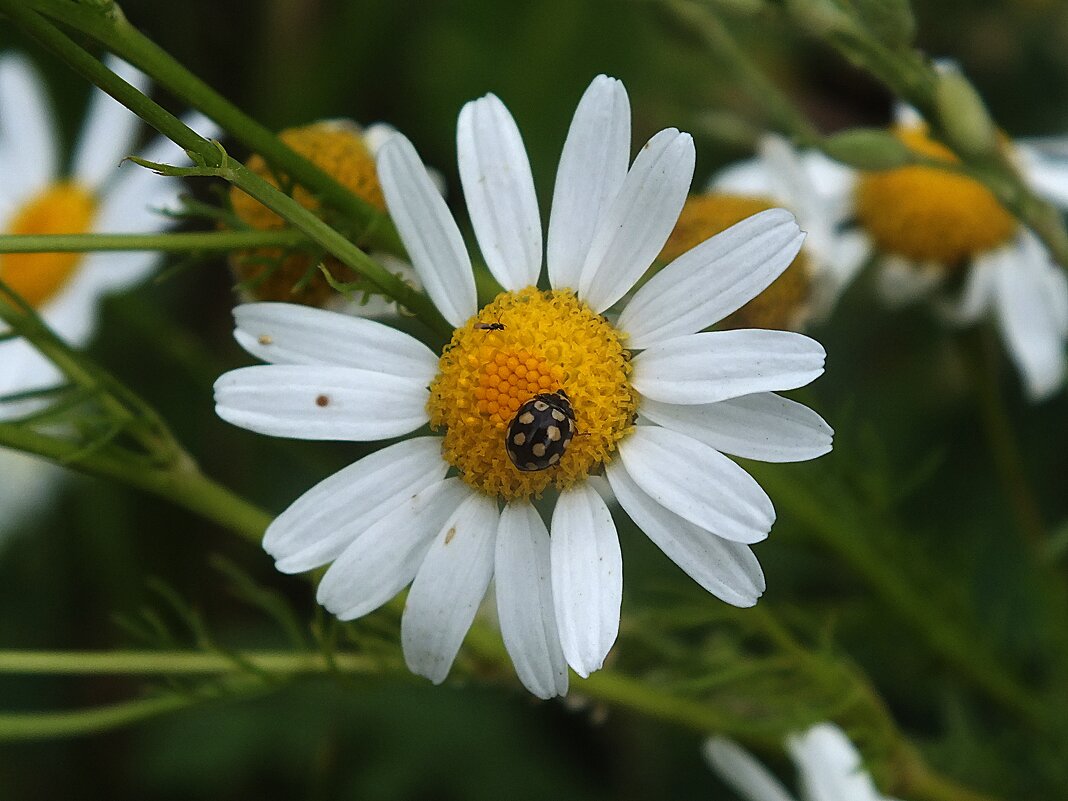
x=541 y=431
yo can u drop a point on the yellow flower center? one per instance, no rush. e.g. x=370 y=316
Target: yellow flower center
x=704 y=216
x=337 y=148
x=927 y=214
x=63 y=208
x=549 y=341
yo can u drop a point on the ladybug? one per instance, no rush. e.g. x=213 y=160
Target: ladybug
x=541 y=431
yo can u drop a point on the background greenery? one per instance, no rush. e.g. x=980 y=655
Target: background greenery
x=911 y=452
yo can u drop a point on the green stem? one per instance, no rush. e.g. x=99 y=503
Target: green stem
x=48 y=725
x=170 y=243
x=183 y=484
x=781 y=113
x=607 y=686
x=110 y=27
x=914 y=779
x=173 y=663
x=24 y=320
x=212 y=160
x=321 y=233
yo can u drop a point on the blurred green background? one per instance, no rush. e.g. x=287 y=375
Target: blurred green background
x=909 y=443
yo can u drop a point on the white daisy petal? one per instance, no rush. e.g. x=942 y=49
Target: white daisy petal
x=320 y=402
x=745 y=775
x=522 y=575
x=1030 y=296
x=637 y=224
x=27 y=489
x=717 y=365
x=133 y=202
x=749 y=177
x=320 y=524
x=109 y=130
x=587 y=571
x=792 y=185
x=26 y=128
x=698 y=483
x=901 y=282
x=835 y=271
x=763 y=426
x=728 y=570
x=449 y=587
x=135 y=195
x=384 y=559
x=830 y=766
x=977 y=297
x=24 y=368
x=593 y=166
x=499 y=190
x=708 y=282
x=377 y=134
x=429 y=232
x=1046 y=171
x=288 y=333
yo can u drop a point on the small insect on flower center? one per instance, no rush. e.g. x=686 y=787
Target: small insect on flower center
x=540 y=432
x=337 y=147
x=63 y=208
x=930 y=215
x=703 y=216
x=507 y=378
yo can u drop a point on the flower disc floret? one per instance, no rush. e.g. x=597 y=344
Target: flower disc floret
x=549 y=341
x=63 y=208
x=927 y=214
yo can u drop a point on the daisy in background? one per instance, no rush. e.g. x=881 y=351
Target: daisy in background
x=829 y=768
x=37 y=196
x=945 y=236
x=536 y=394
x=811 y=186
x=346 y=152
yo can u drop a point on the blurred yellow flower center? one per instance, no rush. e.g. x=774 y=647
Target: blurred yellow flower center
x=63 y=208
x=927 y=214
x=338 y=149
x=549 y=341
x=781 y=304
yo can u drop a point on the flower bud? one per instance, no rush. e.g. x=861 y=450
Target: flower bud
x=889 y=21
x=963 y=115
x=867 y=149
x=820 y=17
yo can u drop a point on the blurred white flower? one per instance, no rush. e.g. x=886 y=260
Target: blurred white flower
x=817 y=190
x=945 y=237
x=828 y=764
x=37 y=196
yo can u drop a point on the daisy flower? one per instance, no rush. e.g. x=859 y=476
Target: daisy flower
x=806 y=183
x=536 y=394
x=345 y=151
x=828 y=764
x=38 y=197
x=937 y=230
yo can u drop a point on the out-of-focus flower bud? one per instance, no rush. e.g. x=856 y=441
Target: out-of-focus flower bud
x=890 y=21
x=867 y=149
x=821 y=17
x=965 y=121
